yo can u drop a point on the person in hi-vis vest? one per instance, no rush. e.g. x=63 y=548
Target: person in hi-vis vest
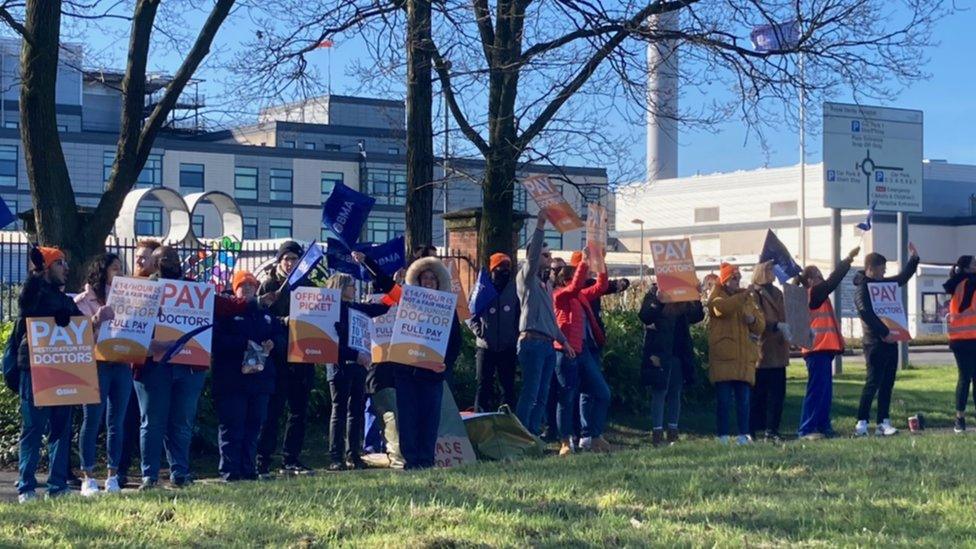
x=962 y=331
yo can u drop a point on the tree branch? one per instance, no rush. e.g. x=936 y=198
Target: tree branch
x=445 y=77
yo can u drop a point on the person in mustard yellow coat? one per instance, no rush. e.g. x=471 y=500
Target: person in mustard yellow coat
x=733 y=348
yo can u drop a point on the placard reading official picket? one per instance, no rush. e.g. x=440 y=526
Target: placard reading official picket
x=887 y=304
x=126 y=337
x=674 y=267
x=552 y=203
x=422 y=327
x=381 y=329
x=359 y=323
x=186 y=306
x=62 y=362
x=312 y=336
x=872 y=155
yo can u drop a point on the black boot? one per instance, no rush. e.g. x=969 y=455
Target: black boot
x=657 y=438
x=672 y=435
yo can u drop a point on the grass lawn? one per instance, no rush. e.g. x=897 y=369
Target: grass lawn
x=904 y=490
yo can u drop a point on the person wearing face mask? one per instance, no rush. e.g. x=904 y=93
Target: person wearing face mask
x=419 y=390
x=828 y=342
x=769 y=392
x=496 y=335
x=962 y=332
x=733 y=337
x=880 y=348
x=42 y=296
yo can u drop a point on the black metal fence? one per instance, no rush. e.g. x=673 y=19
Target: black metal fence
x=213 y=261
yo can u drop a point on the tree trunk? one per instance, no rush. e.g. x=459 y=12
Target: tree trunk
x=55 y=209
x=420 y=132
x=496 y=214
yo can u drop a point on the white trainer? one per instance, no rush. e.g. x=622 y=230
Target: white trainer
x=26 y=497
x=112 y=485
x=862 y=429
x=743 y=440
x=885 y=429
x=585 y=444
x=89 y=487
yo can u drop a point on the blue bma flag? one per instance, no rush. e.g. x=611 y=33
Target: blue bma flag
x=391 y=257
x=6 y=216
x=866 y=226
x=783 y=265
x=345 y=212
x=340 y=259
x=483 y=293
x=778 y=37
x=312 y=256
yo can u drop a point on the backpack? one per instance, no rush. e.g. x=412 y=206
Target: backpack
x=11 y=370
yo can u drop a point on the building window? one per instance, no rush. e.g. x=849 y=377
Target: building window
x=520 y=198
x=706 y=215
x=591 y=193
x=554 y=239
x=13 y=206
x=250 y=228
x=329 y=181
x=387 y=186
x=199 y=224
x=288 y=144
x=786 y=208
x=11 y=125
x=309 y=146
x=393 y=150
x=246 y=183
x=149 y=221
x=280 y=184
x=279 y=228
x=332 y=147
x=8 y=165
x=935 y=307
x=108 y=158
x=384 y=229
x=62 y=128
x=191 y=176
x=152 y=173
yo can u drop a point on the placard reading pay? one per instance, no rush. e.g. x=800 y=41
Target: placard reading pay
x=185 y=307
x=675 y=269
x=422 y=328
x=312 y=335
x=887 y=304
x=62 y=362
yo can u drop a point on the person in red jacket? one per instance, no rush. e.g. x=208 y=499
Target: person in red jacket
x=575 y=318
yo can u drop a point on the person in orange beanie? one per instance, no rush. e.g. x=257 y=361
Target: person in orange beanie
x=496 y=331
x=244 y=277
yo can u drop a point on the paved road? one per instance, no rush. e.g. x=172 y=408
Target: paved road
x=934 y=355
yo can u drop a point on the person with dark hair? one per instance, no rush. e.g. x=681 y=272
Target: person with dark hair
x=419 y=390
x=294 y=381
x=880 y=348
x=828 y=342
x=496 y=337
x=962 y=332
x=42 y=296
x=733 y=336
x=114 y=383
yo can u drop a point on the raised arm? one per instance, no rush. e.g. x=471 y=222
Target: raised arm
x=908 y=272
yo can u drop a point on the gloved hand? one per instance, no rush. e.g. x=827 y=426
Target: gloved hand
x=784 y=328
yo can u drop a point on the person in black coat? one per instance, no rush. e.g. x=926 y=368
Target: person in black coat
x=667 y=358
x=347 y=378
x=243 y=381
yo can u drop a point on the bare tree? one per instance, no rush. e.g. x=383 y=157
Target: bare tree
x=420 y=130
x=58 y=219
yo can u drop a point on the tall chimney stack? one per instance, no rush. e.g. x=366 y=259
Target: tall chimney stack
x=662 y=102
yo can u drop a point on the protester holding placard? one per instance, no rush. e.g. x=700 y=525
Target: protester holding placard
x=243 y=380
x=347 y=378
x=662 y=359
x=828 y=342
x=581 y=372
x=962 y=332
x=769 y=393
x=495 y=326
x=114 y=383
x=419 y=389
x=733 y=337
x=293 y=382
x=42 y=296
x=880 y=347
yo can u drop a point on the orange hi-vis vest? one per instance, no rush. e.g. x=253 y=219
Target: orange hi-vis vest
x=962 y=324
x=826 y=334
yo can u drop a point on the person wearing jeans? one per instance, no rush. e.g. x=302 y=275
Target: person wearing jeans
x=880 y=348
x=735 y=322
x=581 y=373
x=41 y=296
x=538 y=332
x=114 y=383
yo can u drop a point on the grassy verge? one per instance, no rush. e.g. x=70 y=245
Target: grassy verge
x=899 y=491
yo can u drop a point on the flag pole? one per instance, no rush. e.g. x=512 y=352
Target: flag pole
x=803 y=168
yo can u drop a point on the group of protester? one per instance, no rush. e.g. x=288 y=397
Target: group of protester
x=544 y=324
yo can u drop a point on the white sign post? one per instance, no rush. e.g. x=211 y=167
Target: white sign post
x=872 y=155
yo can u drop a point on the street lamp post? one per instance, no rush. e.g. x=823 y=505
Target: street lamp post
x=641 y=223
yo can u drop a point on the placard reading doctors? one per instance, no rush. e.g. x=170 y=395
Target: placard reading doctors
x=185 y=307
x=422 y=328
x=126 y=337
x=62 y=362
